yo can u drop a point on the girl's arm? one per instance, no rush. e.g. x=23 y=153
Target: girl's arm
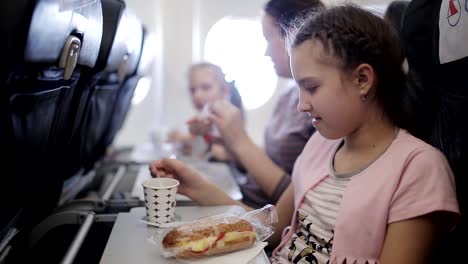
x=414 y=240
x=195 y=186
x=212 y=195
x=285 y=209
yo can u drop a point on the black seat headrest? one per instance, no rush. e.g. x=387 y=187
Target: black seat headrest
x=37 y=94
x=112 y=12
x=435 y=33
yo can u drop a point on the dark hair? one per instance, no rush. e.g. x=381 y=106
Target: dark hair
x=285 y=11
x=355 y=36
x=394 y=14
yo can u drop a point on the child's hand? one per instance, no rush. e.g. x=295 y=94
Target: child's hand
x=183 y=141
x=199 y=126
x=191 y=183
x=175 y=136
x=220 y=153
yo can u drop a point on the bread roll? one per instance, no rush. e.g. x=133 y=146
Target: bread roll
x=207 y=237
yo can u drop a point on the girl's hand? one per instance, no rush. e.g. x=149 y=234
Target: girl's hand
x=183 y=141
x=199 y=126
x=220 y=153
x=192 y=184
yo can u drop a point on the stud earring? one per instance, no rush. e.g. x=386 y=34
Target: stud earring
x=363 y=96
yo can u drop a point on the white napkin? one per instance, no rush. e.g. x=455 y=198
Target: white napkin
x=238 y=257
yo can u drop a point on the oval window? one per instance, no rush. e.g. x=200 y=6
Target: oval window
x=237 y=45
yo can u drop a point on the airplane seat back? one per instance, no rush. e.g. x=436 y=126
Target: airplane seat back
x=49 y=49
x=67 y=72
x=124 y=99
x=435 y=34
x=104 y=90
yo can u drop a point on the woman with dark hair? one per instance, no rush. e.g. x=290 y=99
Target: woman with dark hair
x=269 y=169
x=364 y=189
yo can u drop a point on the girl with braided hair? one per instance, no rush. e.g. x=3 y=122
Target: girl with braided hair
x=364 y=190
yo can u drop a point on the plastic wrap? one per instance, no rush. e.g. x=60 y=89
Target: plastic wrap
x=217 y=234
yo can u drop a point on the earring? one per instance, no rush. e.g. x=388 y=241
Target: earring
x=363 y=96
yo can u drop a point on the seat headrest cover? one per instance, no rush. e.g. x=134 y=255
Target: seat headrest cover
x=127 y=41
x=50 y=28
x=453 y=28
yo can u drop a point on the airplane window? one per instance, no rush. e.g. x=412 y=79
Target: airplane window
x=238 y=46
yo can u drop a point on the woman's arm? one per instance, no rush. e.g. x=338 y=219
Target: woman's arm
x=259 y=166
x=413 y=241
x=257 y=163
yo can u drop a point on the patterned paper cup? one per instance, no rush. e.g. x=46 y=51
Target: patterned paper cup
x=160 y=199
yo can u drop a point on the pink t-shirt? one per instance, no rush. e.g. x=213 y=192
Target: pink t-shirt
x=410 y=179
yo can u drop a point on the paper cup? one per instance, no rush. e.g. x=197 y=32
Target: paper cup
x=160 y=199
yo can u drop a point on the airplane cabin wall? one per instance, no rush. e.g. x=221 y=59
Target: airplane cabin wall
x=180 y=28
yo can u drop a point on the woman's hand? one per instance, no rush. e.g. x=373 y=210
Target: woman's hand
x=228 y=120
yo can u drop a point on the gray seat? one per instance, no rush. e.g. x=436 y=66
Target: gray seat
x=67 y=80
x=48 y=53
x=117 y=79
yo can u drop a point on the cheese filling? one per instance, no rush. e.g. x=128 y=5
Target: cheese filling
x=205 y=243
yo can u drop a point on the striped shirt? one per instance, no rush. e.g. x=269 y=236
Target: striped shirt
x=313 y=240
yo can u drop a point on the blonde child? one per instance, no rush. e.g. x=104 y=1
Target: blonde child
x=207 y=84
